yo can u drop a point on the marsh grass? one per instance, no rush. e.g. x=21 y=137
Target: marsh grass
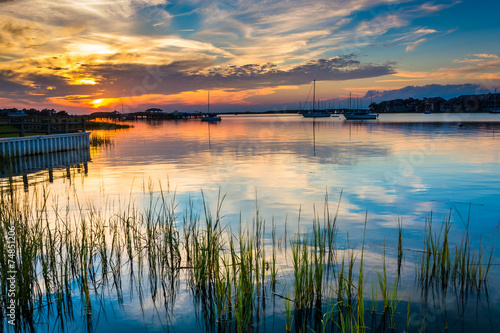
x=400 y=244
x=462 y=266
x=105 y=125
x=100 y=141
x=288 y=312
x=64 y=250
x=273 y=267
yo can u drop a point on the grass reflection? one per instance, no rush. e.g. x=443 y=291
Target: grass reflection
x=60 y=257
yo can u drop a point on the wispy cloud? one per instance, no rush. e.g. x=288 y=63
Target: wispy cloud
x=432 y=7
x=486 y=55
x=414 y=44
x=468 y=69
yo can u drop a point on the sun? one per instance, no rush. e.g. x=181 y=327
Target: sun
x=103 y=102
x=96 y=103
x=84 y=81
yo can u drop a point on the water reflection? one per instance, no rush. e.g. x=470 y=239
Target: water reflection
x=38 y=169
x=395 y=166
x=390 y=170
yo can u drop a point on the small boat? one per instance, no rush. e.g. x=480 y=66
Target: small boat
x=360 y=115
x=427 y=112
x=211 y=117
x=315 y=113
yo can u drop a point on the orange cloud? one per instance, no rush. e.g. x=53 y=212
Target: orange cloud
x=135 y=103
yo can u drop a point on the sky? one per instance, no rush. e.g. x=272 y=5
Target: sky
x=102 y=55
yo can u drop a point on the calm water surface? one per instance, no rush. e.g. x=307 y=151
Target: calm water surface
x=402 y=167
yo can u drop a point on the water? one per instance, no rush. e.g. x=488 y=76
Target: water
x=400 y=167
x=395 y=167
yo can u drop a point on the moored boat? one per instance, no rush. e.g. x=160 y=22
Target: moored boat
x=360 y=115
x=211 y=117
x=315 y=113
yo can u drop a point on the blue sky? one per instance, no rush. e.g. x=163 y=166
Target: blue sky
x=252 y=55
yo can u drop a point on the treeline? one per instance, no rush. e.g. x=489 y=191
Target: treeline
x=463 y=103
x=6 y=112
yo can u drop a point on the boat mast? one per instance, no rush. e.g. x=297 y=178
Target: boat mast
x=208 y=103
x=314 y=92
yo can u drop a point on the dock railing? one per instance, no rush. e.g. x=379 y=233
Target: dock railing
x=40 y=125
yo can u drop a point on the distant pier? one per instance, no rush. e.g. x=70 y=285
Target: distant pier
x=147 y=115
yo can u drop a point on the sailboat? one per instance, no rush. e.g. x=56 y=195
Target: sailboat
x=495 y=109
x=359 y=115
x=210 y=116
x=313 y=113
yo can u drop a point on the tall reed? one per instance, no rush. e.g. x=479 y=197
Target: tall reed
x=92 y=249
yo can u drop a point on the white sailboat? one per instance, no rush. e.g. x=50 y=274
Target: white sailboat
x=313 y=113
x=359 y=114
x=210 y=116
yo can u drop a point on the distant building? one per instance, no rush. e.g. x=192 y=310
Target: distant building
x=490 y=102
x=466 y=103
x=153 y=111
x=433 y=104
x=396 y=105
x=446 y=106
x=463 y=103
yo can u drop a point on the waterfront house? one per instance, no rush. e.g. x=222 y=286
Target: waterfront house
x=433 y=104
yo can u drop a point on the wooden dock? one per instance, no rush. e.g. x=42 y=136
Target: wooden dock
x=41 y=144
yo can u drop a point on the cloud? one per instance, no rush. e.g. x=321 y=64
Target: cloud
x=56 y=81
x=109 y=49
x=486 y=55
x=7 y=85
x=472 y=69
x=336 y=69
x=184 y=76
x=431 y=90
x=412 y=46
x=488 y=77
x=380 y=25
x=481 y=60
x=431 y=7
x=417 y=36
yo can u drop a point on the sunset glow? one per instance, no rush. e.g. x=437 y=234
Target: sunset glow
x=251 y=55
x=84 y=81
